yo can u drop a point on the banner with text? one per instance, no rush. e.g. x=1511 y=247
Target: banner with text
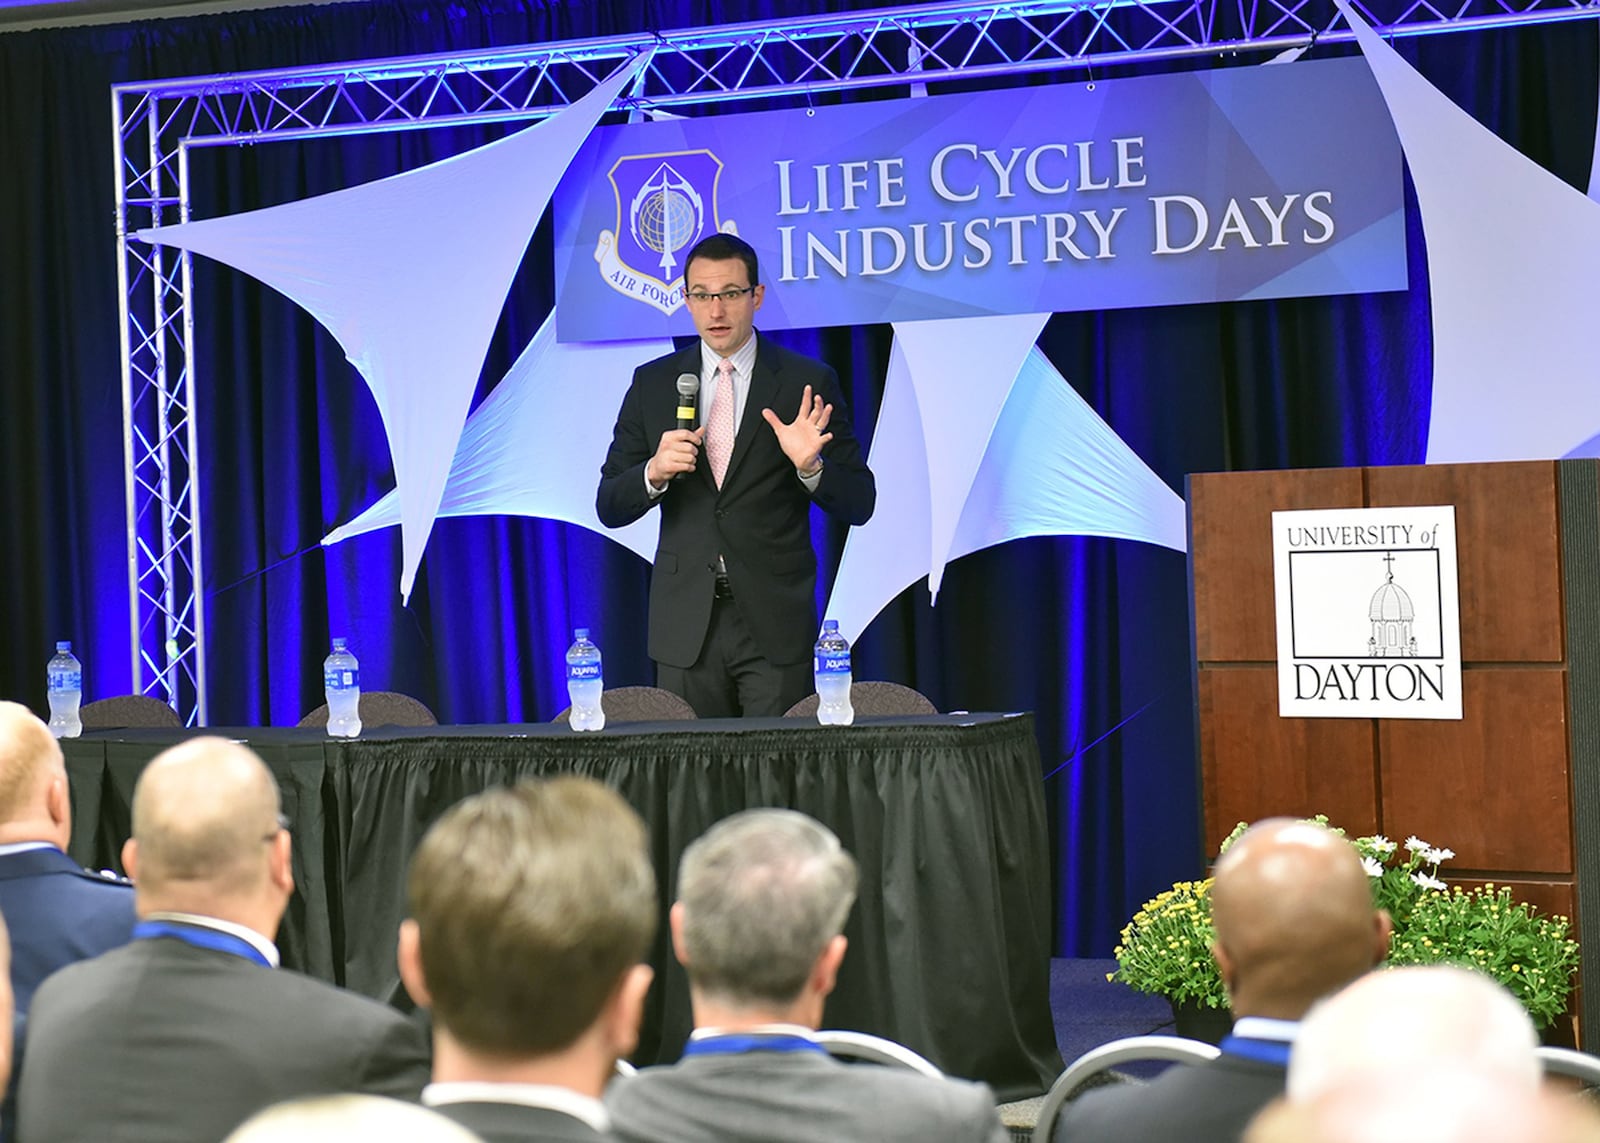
x=1369 y=622
x=1253 y=182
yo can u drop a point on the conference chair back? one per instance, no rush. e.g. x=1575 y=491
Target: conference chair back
x=1080 y=1073
x=872 y=698
x=380 y=708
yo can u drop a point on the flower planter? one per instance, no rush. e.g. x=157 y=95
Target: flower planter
x=1200 y=1022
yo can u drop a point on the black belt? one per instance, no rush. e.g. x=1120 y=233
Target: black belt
x=723 y=589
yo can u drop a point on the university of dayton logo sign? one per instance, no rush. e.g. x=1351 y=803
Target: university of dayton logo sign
x=1368 y=618
x=665 y=204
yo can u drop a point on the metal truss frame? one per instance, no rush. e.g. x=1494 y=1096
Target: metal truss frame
x=959 y=44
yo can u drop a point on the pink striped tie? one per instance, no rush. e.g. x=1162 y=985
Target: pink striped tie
x=719 y=429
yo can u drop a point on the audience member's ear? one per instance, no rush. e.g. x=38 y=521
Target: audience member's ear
x=626 y=1010
x=675 y=923
x=130 y=858
x=825 y=974
x=1383 y=929
x=282 y=862
x=408 y=958
x=58 y=803
x=1224 y=965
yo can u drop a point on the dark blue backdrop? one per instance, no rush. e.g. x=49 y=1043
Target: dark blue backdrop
x=1091 y=634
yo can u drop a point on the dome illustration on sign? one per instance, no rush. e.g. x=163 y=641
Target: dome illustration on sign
x=666 y=215
x=1391 y=615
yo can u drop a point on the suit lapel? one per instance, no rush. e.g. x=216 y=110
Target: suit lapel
x=763 y=393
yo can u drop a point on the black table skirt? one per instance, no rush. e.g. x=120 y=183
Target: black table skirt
x=949 y=941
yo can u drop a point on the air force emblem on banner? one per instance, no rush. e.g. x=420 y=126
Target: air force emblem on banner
x=665 y=204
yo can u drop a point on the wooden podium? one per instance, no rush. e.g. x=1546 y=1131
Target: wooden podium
x=1514 y=786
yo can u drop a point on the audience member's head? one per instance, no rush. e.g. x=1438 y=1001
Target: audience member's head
x=1294 y=918
x=34 y=802
x=208 y=837
x=531 y=910
x=758 y=924
x=349 y=1119
x=1450 y=1017
x=1419 y=1101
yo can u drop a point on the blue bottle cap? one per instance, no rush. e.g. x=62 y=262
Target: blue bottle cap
x=830 y=625
x=338 y=644
x=64 y=647
x=580 y=633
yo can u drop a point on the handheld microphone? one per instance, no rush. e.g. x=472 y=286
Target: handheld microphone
x=688 y=402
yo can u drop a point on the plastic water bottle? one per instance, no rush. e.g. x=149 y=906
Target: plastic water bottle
x=65 y=683
x=585 y=683
x=831 y=668
x=341 y=682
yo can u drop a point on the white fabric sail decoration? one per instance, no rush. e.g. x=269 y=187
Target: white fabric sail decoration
x=410 y=273
x=1048 y=466
x=1514 y=271
x=533 y=448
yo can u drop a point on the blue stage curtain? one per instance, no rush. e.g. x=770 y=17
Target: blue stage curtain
x=1091 y=634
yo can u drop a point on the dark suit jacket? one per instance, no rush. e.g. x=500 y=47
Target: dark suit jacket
x=518 y=1123
x=1198 y=1103
x=759 y=521
x=162 y=1042
x=797 y=1097
x=58 y=914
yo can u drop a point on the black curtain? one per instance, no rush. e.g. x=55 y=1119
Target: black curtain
x=1091 y=634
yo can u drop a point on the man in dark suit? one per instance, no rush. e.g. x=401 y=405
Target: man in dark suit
x=531 y=910
x=762 y=901
x=732 y=596
x=188 y=1030
x=1295 y=921
x=59 y=913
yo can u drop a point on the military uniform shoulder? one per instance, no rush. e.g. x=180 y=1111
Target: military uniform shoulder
x=48 y=861
x=109 y=878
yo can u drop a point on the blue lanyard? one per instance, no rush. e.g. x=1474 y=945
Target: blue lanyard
x=738 y=1043
x=1264 y=1051
x=201 y=938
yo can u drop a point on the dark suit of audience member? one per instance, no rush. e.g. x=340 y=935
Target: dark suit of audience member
x=58 y=912
x=738 y=641
x=191 y=1028
x=1295 y=921
x=531 y=909
x=762 y=901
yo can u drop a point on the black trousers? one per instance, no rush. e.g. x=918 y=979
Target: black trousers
x=732 y=679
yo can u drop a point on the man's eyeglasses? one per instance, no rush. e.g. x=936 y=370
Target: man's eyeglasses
x=726 y=297
x=283 y=826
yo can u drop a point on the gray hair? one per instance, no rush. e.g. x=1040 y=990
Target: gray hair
x=763 y=892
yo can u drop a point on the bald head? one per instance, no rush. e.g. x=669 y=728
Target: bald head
x=205 y=834
x=1294 y=918
x=1445 y=1015
x=1428 y=1101
x=34 y=804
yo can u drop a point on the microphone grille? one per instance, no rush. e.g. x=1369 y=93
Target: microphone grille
x=688 y=385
